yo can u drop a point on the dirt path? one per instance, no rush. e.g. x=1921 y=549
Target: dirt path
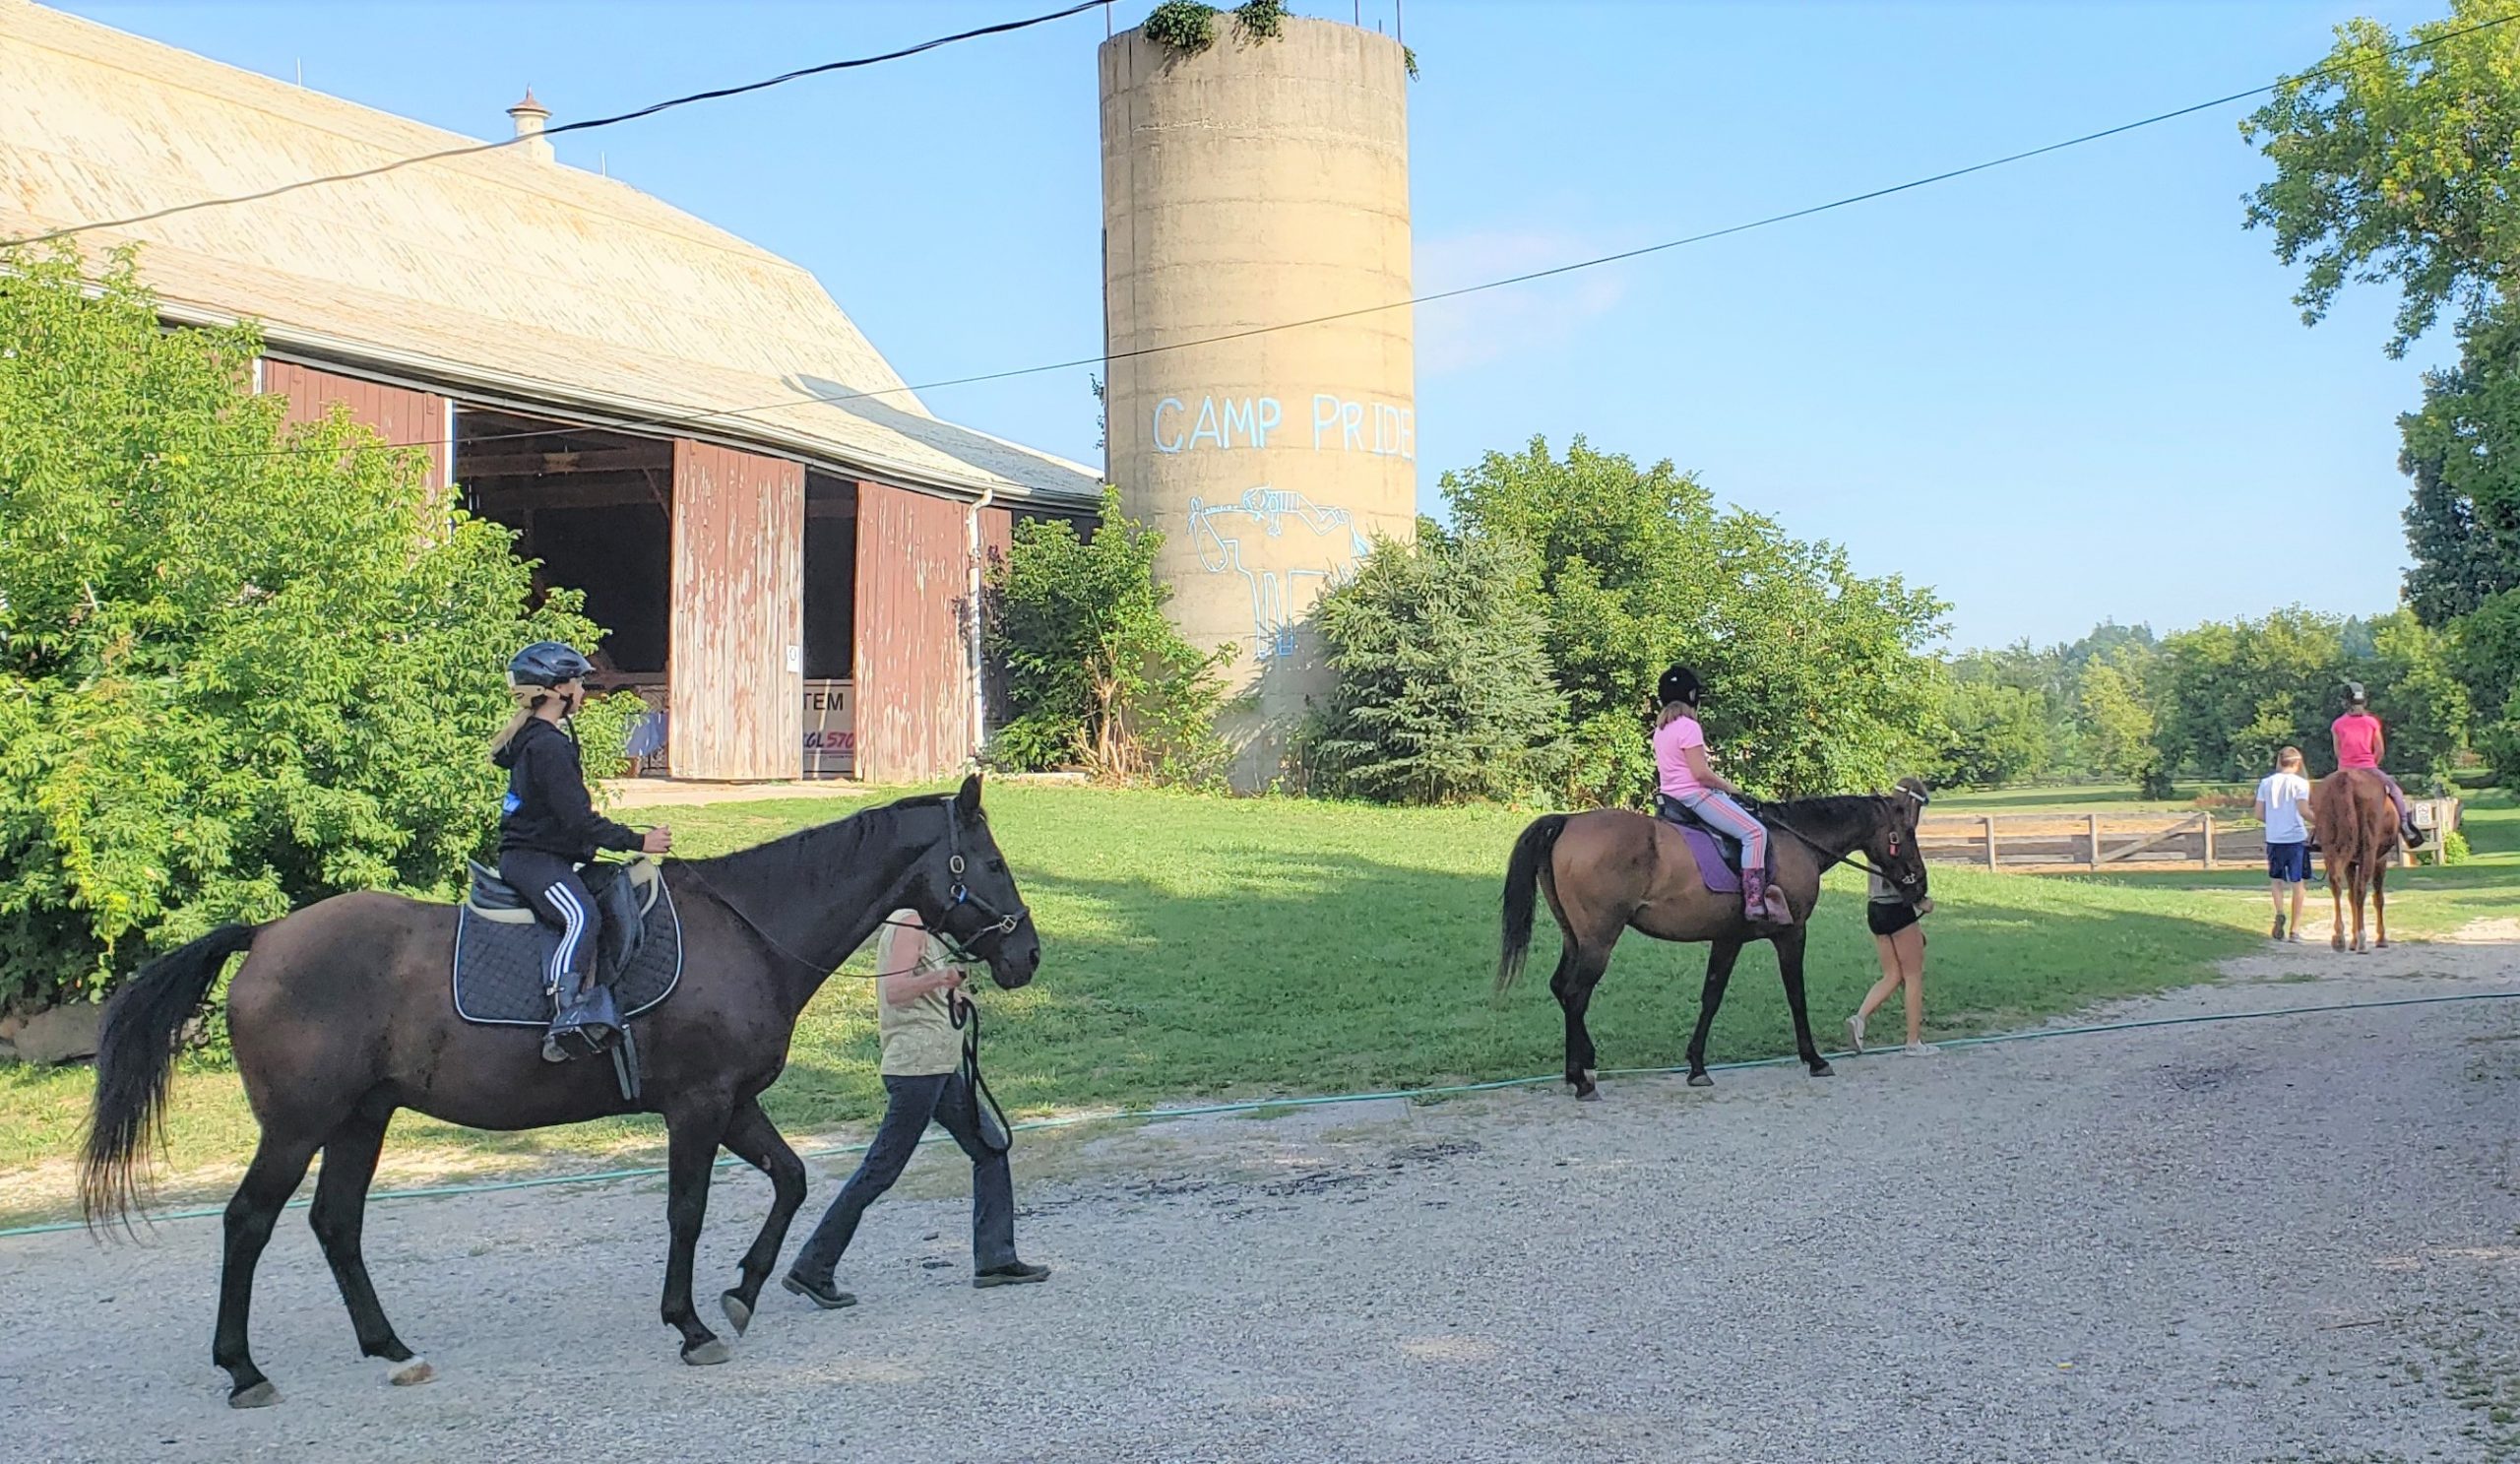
x=2283 y=1239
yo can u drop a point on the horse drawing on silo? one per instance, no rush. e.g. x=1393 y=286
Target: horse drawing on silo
x=1273 y=604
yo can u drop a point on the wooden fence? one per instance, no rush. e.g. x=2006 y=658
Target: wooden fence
x=2066 y=841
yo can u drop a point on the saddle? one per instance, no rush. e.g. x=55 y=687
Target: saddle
x=1718 y=855
x=502 y=949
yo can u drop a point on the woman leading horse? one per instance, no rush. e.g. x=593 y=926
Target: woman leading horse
x=1611 y=871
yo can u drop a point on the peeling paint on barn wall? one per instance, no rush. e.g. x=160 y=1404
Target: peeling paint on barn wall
x=913 y=687
x=736 y=669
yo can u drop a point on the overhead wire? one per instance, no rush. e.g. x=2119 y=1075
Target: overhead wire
x=589 y=125
x=688 y=419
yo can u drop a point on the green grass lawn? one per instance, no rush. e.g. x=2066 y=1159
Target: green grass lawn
x=1198 y=947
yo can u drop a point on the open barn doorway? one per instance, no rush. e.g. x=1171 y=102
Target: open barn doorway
x=831 y=626
x=595 y=508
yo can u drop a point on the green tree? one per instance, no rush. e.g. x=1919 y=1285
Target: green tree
x=1986 y=732
x=1817 y=676
x=2118 y=711
x=2395 y=163
x=2231 y=693
x=1095 y=674
x=2399 y=164
x=242 y=665
x=2462 y=449
x=1445 y=693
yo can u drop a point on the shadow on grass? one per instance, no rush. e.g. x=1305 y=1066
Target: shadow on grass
x=1333 y=973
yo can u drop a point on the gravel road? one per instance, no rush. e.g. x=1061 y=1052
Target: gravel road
x=2288 y=1238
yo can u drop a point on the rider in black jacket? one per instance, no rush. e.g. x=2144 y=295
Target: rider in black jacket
x=548 y=827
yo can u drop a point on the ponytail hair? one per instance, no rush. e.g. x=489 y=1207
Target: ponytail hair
x=1672 y=712
x=529 y=700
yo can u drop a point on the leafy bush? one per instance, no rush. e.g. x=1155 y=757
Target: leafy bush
x=1095 y=674
x=1445 y=693
x=242 y=667
x=2454 y=847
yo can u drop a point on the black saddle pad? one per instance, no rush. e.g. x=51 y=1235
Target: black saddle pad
x=498 y=967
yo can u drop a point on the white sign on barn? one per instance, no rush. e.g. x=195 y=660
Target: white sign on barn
x=831 y=730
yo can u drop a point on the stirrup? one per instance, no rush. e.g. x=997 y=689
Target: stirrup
x=584 y=1027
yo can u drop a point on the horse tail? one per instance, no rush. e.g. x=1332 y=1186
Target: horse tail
x=1522 y=886
x=135 y=1062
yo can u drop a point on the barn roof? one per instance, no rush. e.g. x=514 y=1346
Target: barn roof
x=522 y=279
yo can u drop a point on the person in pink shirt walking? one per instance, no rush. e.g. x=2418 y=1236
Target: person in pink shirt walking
x=1688 y=782
x=2359 y=743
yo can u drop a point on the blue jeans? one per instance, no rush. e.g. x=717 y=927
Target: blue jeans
x=947 y=1098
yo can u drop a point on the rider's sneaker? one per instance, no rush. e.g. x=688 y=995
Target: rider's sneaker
x=1922 y=1049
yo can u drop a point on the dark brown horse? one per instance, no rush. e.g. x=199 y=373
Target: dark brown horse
x=341 y=1015
x=2358 y=833
x=1609 y=871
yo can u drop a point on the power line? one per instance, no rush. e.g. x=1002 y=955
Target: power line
x=589 y=125
x=1596 y=262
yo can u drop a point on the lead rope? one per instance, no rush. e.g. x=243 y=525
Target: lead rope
x=967 y=1021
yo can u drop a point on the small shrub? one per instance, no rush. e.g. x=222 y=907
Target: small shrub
x=1096 y=676
x=1185 y=25
x=2454 y=847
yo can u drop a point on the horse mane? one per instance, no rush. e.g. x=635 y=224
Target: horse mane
x=1832 y=809
x=797 y=859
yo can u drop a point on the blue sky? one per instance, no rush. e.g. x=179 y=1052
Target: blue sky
x=2064 y=391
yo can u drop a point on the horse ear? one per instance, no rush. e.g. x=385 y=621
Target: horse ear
x=967 y=801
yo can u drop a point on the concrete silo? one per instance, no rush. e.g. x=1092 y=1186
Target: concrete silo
x=1253 y=184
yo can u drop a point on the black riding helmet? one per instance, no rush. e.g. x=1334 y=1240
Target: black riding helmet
x=547 y=663
x=1678 y=684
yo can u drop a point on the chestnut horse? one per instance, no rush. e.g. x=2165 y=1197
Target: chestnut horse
x=2357 y=832
x=1611 y=871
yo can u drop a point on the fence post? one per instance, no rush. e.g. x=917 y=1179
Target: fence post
x=1990 y=844
x=2091 y=821
x=2209 y=841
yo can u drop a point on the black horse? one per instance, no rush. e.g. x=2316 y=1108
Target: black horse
x=341 y=1015
x=1609 y=870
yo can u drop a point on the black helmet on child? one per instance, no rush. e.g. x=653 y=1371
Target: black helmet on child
x=547 y=663
x=1678 y=684
x=2353 y=694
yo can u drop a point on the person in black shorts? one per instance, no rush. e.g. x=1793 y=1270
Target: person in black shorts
x=1901 y=941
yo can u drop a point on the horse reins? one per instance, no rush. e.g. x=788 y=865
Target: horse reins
x=1849 y=858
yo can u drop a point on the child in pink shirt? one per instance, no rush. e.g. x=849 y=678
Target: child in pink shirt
x=2359 y=743
x=1689 y=781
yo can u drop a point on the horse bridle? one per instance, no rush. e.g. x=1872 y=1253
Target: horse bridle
x=994 y=924
x=1903 y=881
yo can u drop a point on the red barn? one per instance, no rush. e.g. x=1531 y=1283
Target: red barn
x=779 y=537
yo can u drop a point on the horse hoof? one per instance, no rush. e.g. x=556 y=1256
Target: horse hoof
x=738 y=1311
x=1588 y=1094
x=260 y=1395
x=1700 y=1080
x=1823 y=1070
x=707 y=1353
x=410 y=1374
